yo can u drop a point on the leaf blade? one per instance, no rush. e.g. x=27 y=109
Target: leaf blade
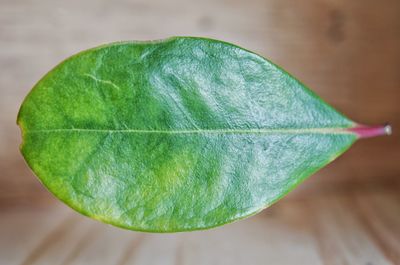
x=180 y=120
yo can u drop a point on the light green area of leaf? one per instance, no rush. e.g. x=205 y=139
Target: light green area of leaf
x=175 y=135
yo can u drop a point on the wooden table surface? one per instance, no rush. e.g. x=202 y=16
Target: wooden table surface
x=346 y=51
x=335 y=229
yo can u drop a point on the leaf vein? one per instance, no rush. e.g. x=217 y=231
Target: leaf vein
x=205 y=131
x=107 y=82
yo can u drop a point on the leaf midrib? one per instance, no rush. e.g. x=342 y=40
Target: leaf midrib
x=205 y=131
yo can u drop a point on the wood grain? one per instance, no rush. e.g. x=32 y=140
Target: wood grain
x=356 y=228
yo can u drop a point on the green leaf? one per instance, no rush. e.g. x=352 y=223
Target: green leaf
x=175 y=135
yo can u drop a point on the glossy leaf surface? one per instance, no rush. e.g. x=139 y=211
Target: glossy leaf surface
x=175 y=135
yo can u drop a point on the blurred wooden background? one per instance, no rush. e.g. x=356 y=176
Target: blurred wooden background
x=346 y=51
